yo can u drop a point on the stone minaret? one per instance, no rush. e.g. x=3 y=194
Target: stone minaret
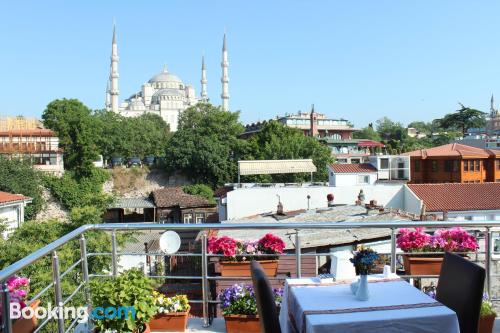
x=203 y=94
x=108 y=97
x=225 y=77
x=314 y=123
x=493 y=111
x=113 y=75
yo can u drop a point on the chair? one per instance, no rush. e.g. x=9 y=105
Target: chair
x=266 y=306
x=460 y=287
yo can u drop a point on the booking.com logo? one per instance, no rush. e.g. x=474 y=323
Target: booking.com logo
x=80 y=313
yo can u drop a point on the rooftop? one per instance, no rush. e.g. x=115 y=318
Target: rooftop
x=133 y=203
x=6 y=197
x=28 y=132
x=458 y=197
x=353 y=168
x=454 y=150
x=176 y=197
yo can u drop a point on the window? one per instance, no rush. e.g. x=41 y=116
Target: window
x=455 y=166
x=384 y=163
x=363 y=179
x=434 y=166
x=478 y=164
x=200 y=218
x=448 y=165
x=188 y=218
x=498 y=164
x=417 y=166
x=466 y=166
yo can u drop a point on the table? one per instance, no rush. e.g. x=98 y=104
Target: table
x=394 y=306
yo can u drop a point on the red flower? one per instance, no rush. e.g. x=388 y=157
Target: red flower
x=271 y=244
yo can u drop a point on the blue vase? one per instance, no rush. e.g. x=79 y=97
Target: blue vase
x=354 y=286
x=362 y=293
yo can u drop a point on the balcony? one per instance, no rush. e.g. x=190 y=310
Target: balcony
x=486 y=233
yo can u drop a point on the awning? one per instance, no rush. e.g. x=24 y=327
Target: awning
x=370 y=143
x=267 y=167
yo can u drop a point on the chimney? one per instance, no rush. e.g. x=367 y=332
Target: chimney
x=314 y=123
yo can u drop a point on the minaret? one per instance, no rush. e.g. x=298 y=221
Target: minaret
x=204 y=96
x=108 y=97
x=225 y=77
x=493 y=111
x=113 y=75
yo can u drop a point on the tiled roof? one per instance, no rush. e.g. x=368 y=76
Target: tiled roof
x=9 y=197
x=175 y=197
x=43 y=132
x=132 y=203
x=458 y=197
x=453 y=149
x=353 y=168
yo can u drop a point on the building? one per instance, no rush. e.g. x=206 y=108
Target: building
x=352 y=150
x=313 y=124
x=173 y=205
x=378 y=168
x=38 y=145
x=12 y=211
x=459 y=202
x=455 y=163
x=165 y=94
x=414 y=133
x=493 y=122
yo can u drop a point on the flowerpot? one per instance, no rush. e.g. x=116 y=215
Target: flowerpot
x=242 y=268
x=23 y=325
x=486 y=324
x=146 y=329
x=242 y=324
x=169 y=322
x=422 y=265
x=362 y=294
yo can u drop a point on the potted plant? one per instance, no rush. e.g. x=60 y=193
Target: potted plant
x=131 y=294
x=416 y=243
x=364 y=260
x=487 y=316
x=171 y=313
x=239 y=308
x=238 y=254
x=18 y=292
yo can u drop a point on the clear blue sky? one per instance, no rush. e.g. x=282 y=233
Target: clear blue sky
x=360 y=60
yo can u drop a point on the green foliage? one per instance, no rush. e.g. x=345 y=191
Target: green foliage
x=131 y=288
x=20 y=178
x=276 y=142
x=73 y=192
x=201 y=190
x=463 y=119
x=367 y=133
x=487 y=309
x=422 y=127
x=73 y=124
x=140 y=136
x=206 y=146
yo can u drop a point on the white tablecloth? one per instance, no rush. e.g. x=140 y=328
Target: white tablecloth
x=437 y=319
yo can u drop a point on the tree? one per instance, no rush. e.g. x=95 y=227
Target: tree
x=367 y=133
x=73 y=124
x=19 y=177
x=463 y=119
x=206 y=146
x=201 y=190
x=276 y=142
x=421 y=127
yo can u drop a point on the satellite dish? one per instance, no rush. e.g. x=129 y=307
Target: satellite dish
x=170 y=242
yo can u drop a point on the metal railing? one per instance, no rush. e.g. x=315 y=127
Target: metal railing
x=487 y=227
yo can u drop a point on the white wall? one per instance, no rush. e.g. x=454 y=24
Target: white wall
x=412 y=204
x=350 y=179
x=10 y=216
x=253 y=201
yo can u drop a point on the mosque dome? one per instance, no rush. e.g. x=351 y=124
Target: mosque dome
x=165 y=76
x=167 y=94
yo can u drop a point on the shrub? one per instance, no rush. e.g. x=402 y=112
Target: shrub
x=240 y=300
x=177 y=303
x=201 y=190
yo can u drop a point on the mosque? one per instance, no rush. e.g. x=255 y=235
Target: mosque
x=164 y=94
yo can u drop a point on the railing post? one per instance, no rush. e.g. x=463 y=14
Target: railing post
x=6 y=322
x=85 y=270
x=56 y=279
x=298 y=261
x=113 y=252
x=393 y=250
x=487 y=259
x=204 y=279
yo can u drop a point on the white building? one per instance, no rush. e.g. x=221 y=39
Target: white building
x=165 y=94
x=12 y=211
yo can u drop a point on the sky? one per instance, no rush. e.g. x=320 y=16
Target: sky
x=357 y=60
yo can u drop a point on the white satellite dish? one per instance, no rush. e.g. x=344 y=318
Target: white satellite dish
x=170 y=242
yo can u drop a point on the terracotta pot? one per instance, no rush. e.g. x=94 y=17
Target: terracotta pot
x=242 y=324
x=23 y=325
x=146 y=330
x=242 y=268
x=422 y=265
x=169 y=322
x=486 y=324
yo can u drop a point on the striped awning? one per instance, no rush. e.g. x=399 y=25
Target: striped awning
x=267 y=167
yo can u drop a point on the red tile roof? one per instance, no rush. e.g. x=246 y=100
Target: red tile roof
x=458 y=197
x=353 y=168
x=9 y=197
x=42 y=132
x=453 y=149
x=175 y=197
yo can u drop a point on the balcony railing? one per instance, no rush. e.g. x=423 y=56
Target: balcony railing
x=487 y=228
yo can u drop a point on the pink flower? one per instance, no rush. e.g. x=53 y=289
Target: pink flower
x=271 y=244
x=454 y=240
